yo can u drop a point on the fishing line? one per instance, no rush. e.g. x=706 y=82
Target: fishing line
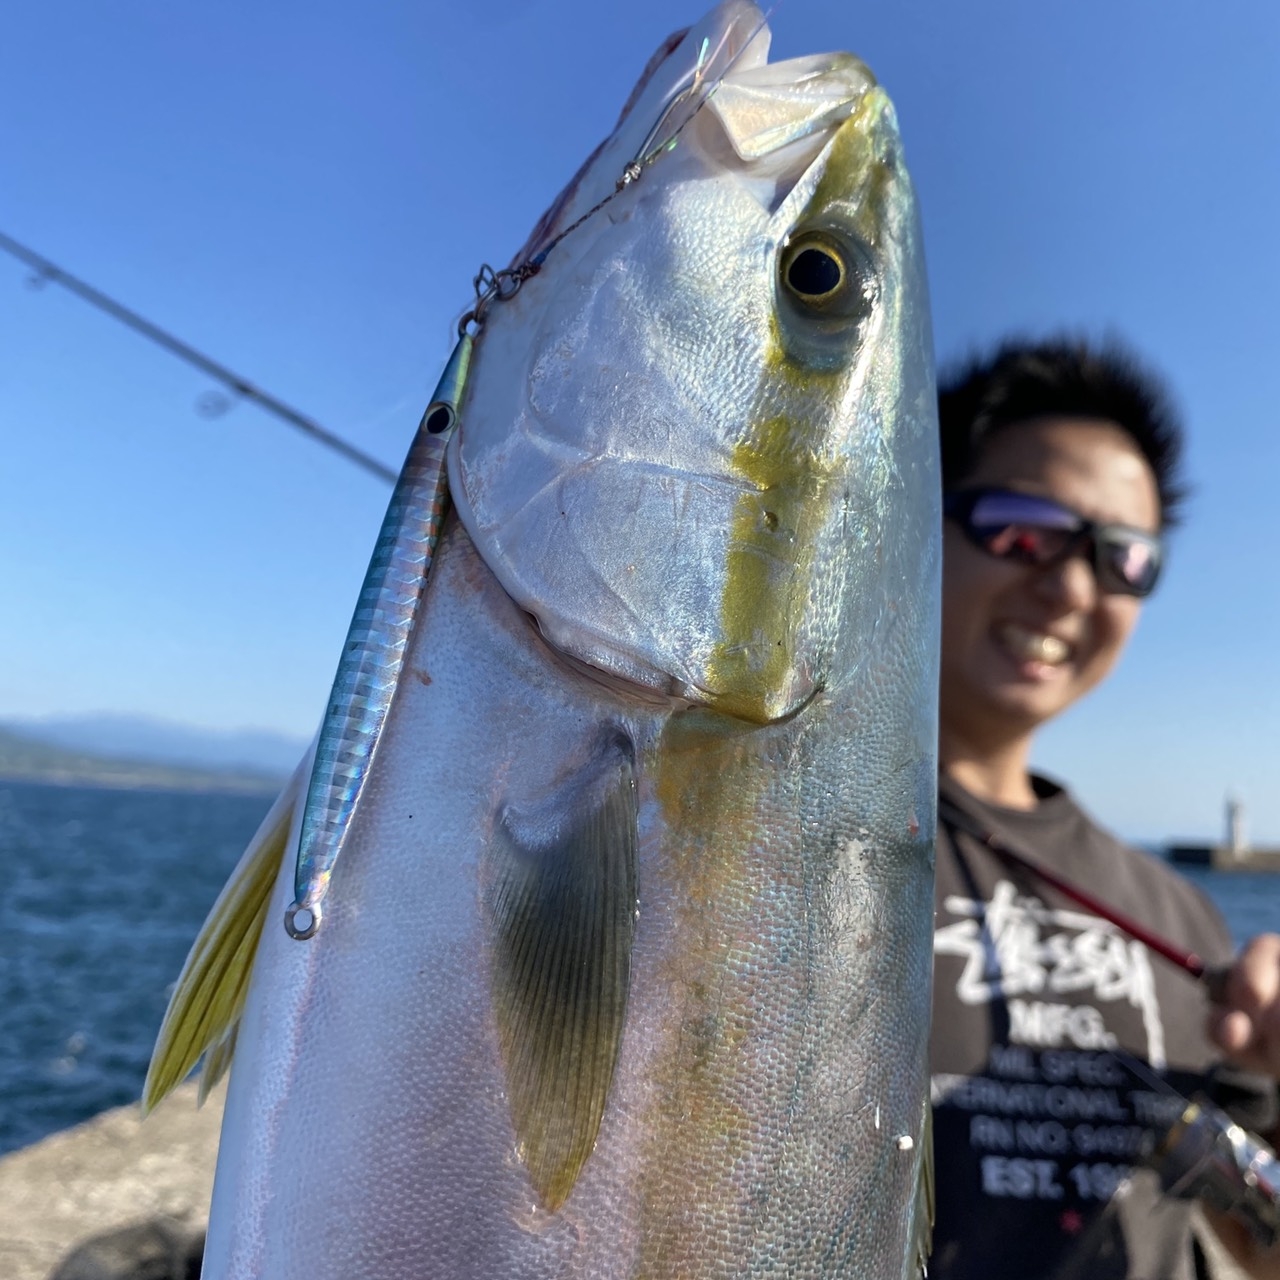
x=1205 y=1154
x=239 y=386
x=381 y=627
x=504 y=284
x=489 y=284
x=1214 y=979
x=377 y=640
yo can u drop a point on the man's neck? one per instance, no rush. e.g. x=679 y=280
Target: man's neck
x=997 y=775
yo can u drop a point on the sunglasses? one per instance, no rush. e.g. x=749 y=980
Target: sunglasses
x=1038 y=531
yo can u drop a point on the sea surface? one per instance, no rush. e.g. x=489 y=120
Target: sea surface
x=101 y=895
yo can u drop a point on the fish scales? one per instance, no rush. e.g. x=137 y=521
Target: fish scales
x=624 y=968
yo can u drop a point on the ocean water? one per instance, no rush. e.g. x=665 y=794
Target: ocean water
x=101 y=895
x=1248 y=900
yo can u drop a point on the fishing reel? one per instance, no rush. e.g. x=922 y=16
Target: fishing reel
x=1204 y=1154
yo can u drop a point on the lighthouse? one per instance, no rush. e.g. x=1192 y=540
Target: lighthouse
x=1236 y=844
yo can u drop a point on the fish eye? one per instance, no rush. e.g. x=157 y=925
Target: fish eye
x=826 y=288
x=815 y=270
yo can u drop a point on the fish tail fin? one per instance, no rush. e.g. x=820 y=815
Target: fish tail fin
x=208 y=1000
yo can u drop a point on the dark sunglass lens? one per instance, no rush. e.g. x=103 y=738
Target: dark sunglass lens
x=1019 y=526
x=1026 y=542
x=1133 y=563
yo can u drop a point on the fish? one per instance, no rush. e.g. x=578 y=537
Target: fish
x=621 y=964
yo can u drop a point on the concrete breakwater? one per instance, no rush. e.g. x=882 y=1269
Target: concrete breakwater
x=1221 y=857
x=112 y=1171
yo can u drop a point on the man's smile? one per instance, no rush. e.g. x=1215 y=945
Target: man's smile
x=1029 y=644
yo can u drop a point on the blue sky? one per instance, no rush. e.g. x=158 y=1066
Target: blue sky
x=304 y=190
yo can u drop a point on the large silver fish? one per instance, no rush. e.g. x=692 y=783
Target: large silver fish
x=624 y=966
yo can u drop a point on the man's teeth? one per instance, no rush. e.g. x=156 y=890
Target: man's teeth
x=1034 y=646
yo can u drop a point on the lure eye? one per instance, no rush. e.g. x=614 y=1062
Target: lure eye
x=814 y=270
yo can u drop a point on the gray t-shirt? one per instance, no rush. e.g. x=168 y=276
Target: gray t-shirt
x=1037 y=1122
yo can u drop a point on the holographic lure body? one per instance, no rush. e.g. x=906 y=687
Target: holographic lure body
x=373 y=655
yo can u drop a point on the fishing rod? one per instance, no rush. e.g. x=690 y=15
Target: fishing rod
x=1213 y=978
x=1203 y=1153
x=239 y=386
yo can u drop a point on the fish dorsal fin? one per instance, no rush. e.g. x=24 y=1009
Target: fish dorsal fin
x=207 y=1003
x=562 y=906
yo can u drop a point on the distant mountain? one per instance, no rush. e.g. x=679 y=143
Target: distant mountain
x=139 y=738
x=25 y=759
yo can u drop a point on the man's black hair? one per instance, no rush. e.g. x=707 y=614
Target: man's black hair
x=1061 y=377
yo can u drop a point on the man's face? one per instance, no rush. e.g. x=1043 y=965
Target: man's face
x=1020 y=642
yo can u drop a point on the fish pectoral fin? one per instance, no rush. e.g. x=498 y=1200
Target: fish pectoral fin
x=562 y=907
x=208 y=1000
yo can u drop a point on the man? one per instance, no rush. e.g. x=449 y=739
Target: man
x=1060 y=469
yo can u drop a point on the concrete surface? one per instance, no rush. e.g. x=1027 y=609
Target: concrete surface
x=111 y=1171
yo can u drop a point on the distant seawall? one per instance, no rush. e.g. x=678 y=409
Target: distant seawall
x=1223 y=858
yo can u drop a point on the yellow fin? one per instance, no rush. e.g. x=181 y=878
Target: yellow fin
x=217 y=1059
x=207 y=1003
